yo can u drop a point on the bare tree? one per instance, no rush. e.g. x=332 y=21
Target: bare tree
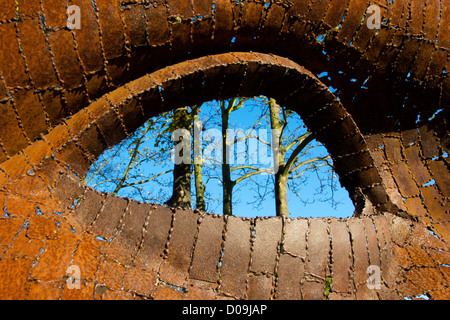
x=292 y=165
x=292 y=151
x=198 y=165
x=228 y=184
x=182 y=172
x=116 y=173
x=186 y=121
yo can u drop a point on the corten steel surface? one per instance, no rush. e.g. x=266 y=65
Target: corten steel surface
x=66 y=96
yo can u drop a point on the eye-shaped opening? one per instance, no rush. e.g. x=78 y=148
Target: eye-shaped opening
x=118 y=114
x=272 y=165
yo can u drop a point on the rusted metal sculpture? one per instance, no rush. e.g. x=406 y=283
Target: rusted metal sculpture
x=67 y=95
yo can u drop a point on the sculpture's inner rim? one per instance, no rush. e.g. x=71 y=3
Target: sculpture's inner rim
x=113 y=117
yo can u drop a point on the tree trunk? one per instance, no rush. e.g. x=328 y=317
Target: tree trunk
x=199 y=188
x=228 y=198
x=284 y=169
x=227 y=183
x=182 y=173
x=281 y=203
x=281 y=178
x=181 y=194
x=198 y=174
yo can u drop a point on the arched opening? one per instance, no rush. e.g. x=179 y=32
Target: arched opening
x=119 y=113
x=258 y=131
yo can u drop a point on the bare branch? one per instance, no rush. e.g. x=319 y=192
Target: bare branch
x=132 y=160
x=244 y=167
x=299 y=139
x=314 y=160
x=251 y=174
x=296 y=152
x=146 y=180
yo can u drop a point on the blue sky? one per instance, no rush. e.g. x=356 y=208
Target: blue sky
x=244 y=193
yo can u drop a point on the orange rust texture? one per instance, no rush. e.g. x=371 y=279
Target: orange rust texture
x=66 y=96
